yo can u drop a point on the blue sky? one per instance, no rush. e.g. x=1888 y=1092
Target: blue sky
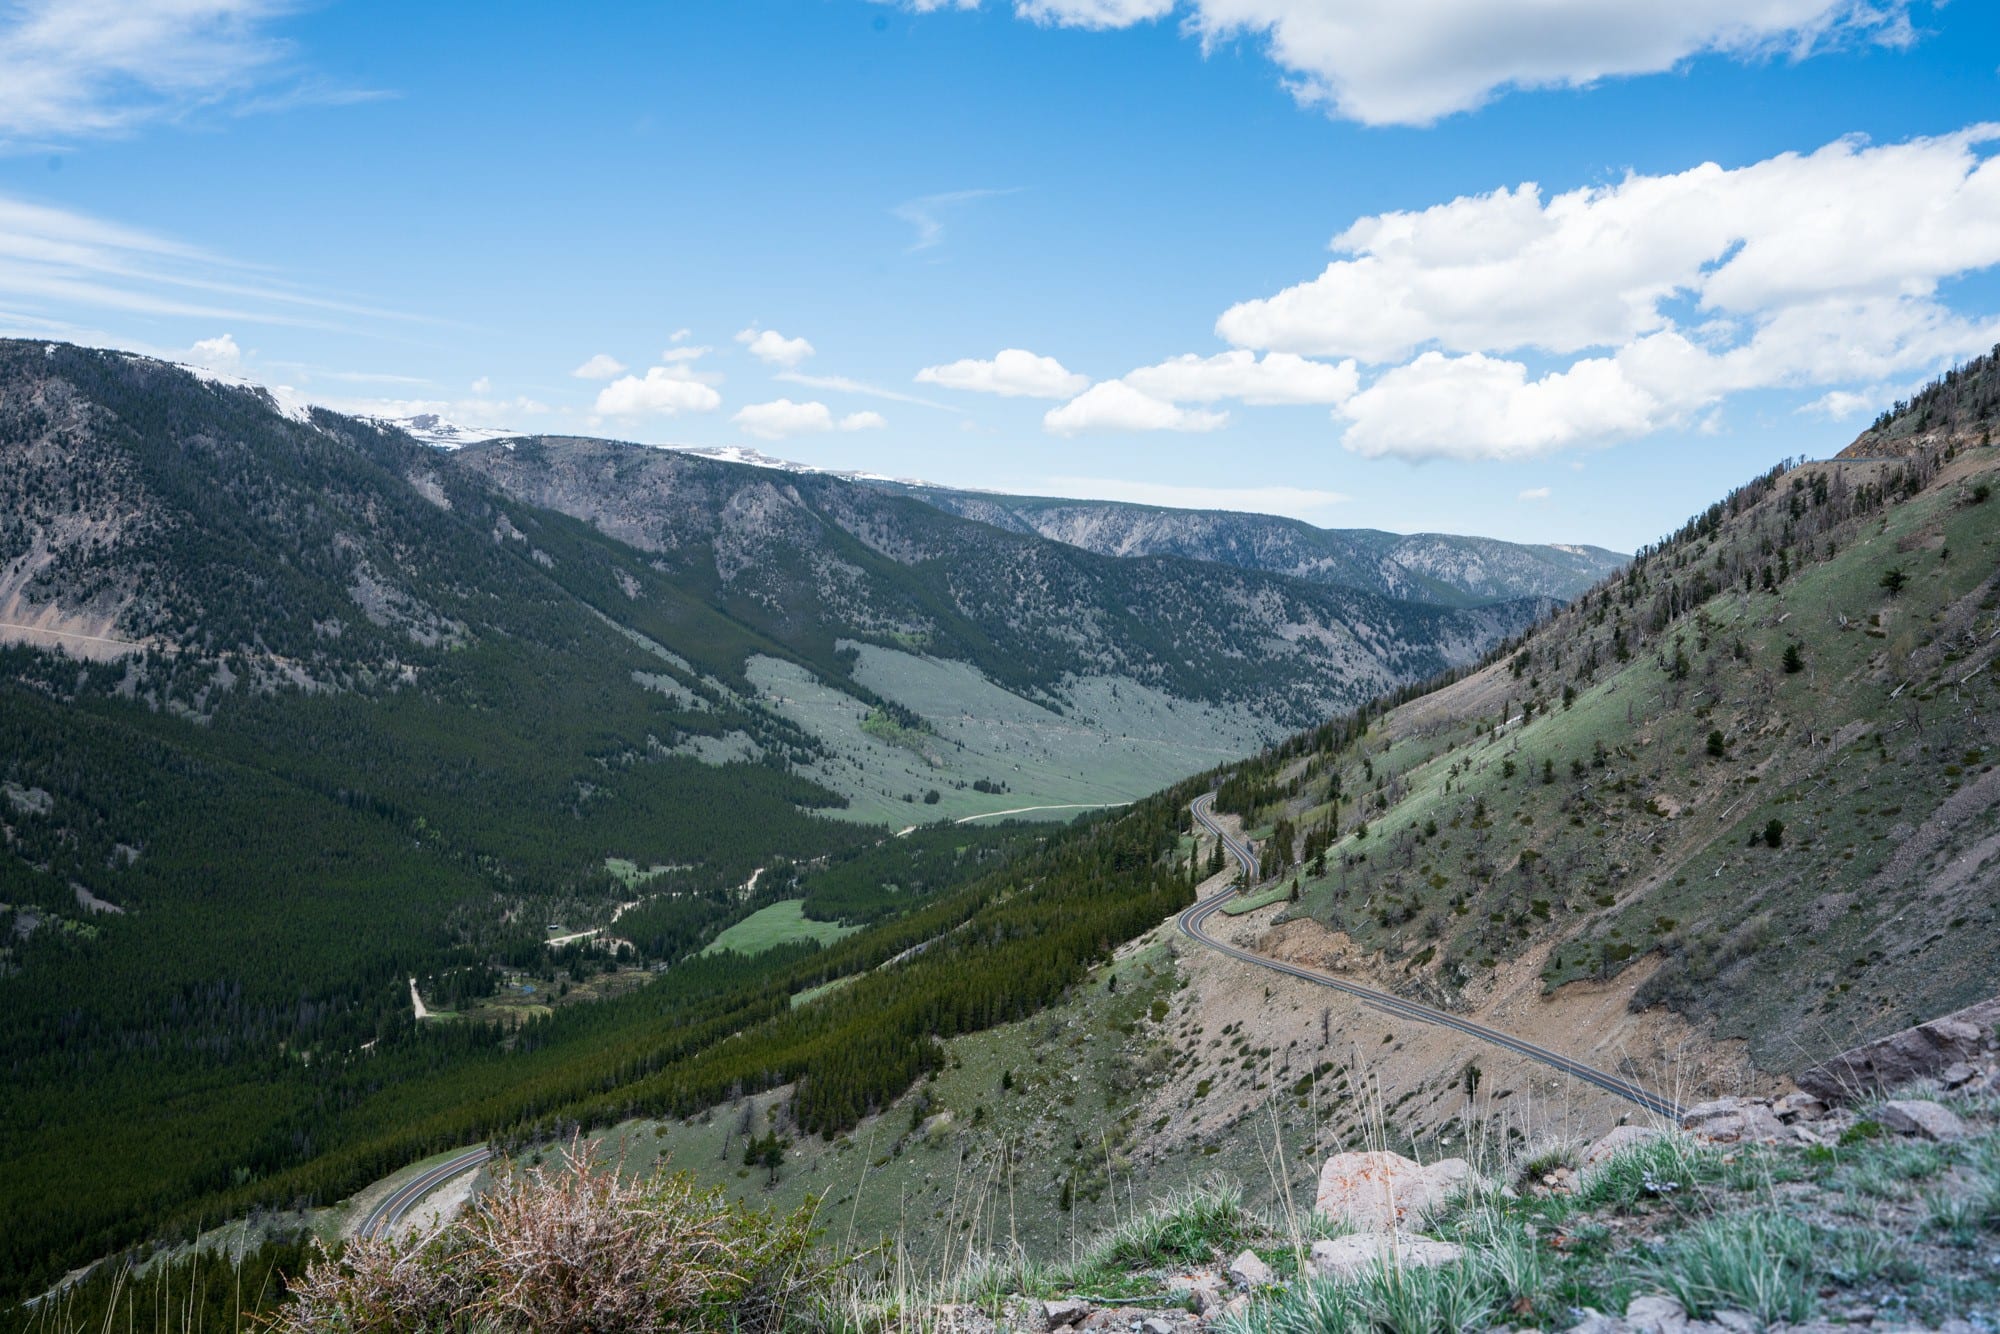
x=1414 y=264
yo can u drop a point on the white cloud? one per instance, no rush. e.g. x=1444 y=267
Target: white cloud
x=1840 y=404
x=52 y=258
x=1476 y=406
x=1534 y=493
x=773 y=348
x=665 y=391
x=678 y=353
x=1413 y=61
x=1117 y=406
x=782 y=417
x=680 y=335
x=218 y=354
x=1664 y=293
x=72 y=68
x=602 y=366
x=1278 y=377
x=1012 y=373
x=842 y=384
x=482 y=386
x=1298 y=502
x=1093 y=13
x=1600 y=266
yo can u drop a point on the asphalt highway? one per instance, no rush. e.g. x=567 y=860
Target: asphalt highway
x=1193 y=923
x=384 y=1217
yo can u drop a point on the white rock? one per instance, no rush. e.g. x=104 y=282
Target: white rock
x=1349 y=1257
x=1383 y=1191
x=1656 y=1315
x=1247 y=1271
x=1614 y=1142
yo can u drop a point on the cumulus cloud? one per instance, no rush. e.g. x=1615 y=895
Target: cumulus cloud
x=1481 y=407
x=1534 y=494
x=1117 y=406
x=218 y=354
x=603 y=366
x=1414 y=61
x=1600 y=266
x=1654 y=298
x=782 y=417
x=1277 y=377
x=665 y=391
x=773 y=348
x=863 y=421
x=1012 y=373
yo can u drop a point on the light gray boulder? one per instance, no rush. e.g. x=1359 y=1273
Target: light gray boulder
x=1384 y=1192
x=1925 y=1120
x=1349 y=1257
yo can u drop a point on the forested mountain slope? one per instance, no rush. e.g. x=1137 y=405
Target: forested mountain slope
x=809 y=560
x=1432 y=567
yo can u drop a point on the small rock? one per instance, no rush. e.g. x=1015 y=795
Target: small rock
x=1349 y=1257
x=1155 y=1325
x=1596 y=1322
x=1801 y=1106
x=1733 y=1121
x=1066 y=1312
x=1916 y=1116
x=1614 y=1142
x=1656 y=1314
x=1737 y=1322
x=1247 y=1271
x=1958 y=1075
x=1236 y=1307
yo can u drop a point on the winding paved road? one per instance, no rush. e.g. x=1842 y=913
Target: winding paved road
x=1193 y=921
x=384 y=1217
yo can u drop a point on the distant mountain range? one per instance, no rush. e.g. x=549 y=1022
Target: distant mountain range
x=1428 y=567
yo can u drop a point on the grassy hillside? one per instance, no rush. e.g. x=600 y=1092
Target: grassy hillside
x=1762 y=757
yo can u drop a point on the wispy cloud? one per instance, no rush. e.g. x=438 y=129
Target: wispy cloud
x=57 y=258
x=73 y=69
x=926 y=214
x=841 y=384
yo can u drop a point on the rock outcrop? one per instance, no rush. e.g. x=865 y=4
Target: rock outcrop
x=1926 y=1051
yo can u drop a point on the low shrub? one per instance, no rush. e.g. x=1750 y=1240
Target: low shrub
x=573 y=1249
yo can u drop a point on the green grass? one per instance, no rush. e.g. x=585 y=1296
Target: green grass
x=779 y=924
x=1263 y=898
x=1115 y=741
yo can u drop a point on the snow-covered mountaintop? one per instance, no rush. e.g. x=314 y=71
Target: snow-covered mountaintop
x=432 y=429
x=755 y=458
